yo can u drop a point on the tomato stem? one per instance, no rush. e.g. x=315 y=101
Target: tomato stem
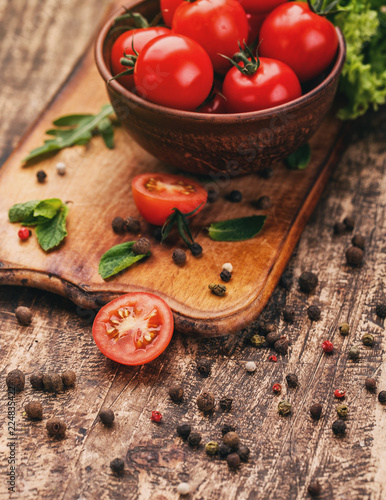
x=250 y=62
x=316 y=7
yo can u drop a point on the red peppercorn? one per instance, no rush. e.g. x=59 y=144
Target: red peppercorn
x=272 y=358
x=276 y=388
x=156 y=416
x=24 y=233
x=339 y=393
x=327 y=346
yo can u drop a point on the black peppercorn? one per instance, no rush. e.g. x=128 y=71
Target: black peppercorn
x=34 y=410
x=286 y=281
x=227 y=428
x=69 y=378
x=380 y=310
x=23 y=315
x=226 y=403
x=225 y=275
x=141 y=246
x=266 y=327
x=206 y=402
x=204 y=366
x=234 y=196
x=281 y=345
x=382 y=397
x=16 y=380
x=263 y=203
x=273 y=337
x=292 y=380
x=233 y=460
x=308 y=281
x=176 y=393
x=36 y=380
x=118 y=225
x=179 y=257
x=339 y=427
x=196 y=249
x=117 y=466
x=41 y=176
x=56 y=427
x=349 y=222
x=194 y=439
x=314 y=313
x=183 y=430
x=132 y=225
x=52 y=382
x=224 y=450
x=266 y=172
x=212 y=195
x=354 y=256
x=339 y=228
x=358 y=241
x=243 y=452
x=157 y=233
x=107 y=416
x=289 y=315
x=316 y=411
x=314 y=489
x=370 y=384
x=231 y=439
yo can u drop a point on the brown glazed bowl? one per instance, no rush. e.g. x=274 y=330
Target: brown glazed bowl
x=204 y=143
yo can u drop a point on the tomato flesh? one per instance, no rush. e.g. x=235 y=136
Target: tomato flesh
x=133 y=329
x=157 y=194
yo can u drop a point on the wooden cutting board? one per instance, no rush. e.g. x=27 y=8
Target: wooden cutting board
x=97 y=187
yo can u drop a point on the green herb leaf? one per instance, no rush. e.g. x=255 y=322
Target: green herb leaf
x=22 y=211
x=241 y=229
x=177 y=218
x=71 y=120
x=300 y=158
x=53 y=231
x=106 y=130
x=117 y=259
x=48 y=208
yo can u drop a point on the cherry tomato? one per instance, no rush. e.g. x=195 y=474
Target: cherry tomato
x=174 y=71
x=157 y=194
x=303 y=40
x=260 y=6
x=168 y=8
x=254 y=24
x=123 y=44
x=273 y=83
x=217 y=25
x=134 y=328
x=216 y=102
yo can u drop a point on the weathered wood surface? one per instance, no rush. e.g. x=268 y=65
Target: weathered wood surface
x=286 y=453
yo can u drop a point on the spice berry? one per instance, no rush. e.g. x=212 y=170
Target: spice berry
x=24 y=233
x=327 y=346
x=156 y=416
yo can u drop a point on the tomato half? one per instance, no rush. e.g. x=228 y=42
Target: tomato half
x=157 y=194
x=134 y=328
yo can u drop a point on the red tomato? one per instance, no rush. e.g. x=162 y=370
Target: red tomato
x=217 y=25
x=273 y=83
x=134 y=328
x=174 y=71
x=303 y=40
x=168 y=8
x=254 y=24
x=157 y=194
x=123 y=44
x=216 y=102
x=260 y=6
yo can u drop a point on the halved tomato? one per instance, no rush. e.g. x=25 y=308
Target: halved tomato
x=157 y=194
x=134 y=328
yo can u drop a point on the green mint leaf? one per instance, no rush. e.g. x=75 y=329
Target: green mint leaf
x=241 y=229
x=118 y=258
x=48 y=208
x=51 y=232
x=300 y=158
x=71 y=120
x=106 y=130
x=22 y=211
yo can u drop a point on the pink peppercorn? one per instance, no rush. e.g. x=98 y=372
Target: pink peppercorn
x=327 y=346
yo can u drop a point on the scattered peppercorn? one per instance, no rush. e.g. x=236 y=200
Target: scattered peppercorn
x=196 y=249
x=314 y=489
x=224 y=450
x=339 y=228
x=176 y=393
x=286 y=281
x=314 y=313
x=263 y=203
x=339 y=393
x=382 y=397
x=292 y=380
x=233 y=460
x=272 y=358
x=183 y=430
x=41 y=176
x=117 y=466
x=156 y=416
x=316 y=411
x=60 y=168
x=34 y=410
x=179 y=257
x=308 y=281
x=183 y=489
x=284 y=408
x=266 y=172
x=141 y=246
x=266 y=327
x=225 y=275
x=69 y=378
x=272 y=338
x=227 y=428
x=52 y=382
x=213 y=195
x=344 y=329
x=289 y=315
x=23 y=315
x=231 y=439
x=194 y=439
x=56 y=427
x=380 y=310
x=211 y=448
x=250 y=366
x=226 y=403
x=354 y=256
x=354 y=352
x=368 y=339
x=118 y=225
x=204 y=366
x=228 y=267
x=370 y=384
x=358 y=241
x=157 y=233
x=244 y=452
x=342 y=410
x=349 y=222
x=339 y=427
x=276 y=388
x=234 y=196
x=24 y=233
x=217 y=289
x=36 y=380
x=16 y=380
x=257 y=340
x=107 y=416
x=132 y=225
x=281 y=345
x=327 y=346
x=206 y=402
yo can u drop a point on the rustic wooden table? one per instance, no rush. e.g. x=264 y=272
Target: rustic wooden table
x=40 y=43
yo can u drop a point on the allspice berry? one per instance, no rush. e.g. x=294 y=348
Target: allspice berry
x=284 y=408
x=179 y=257
x=227 y=428
x=117 y=466
x=368 y=339
x=358 y=241
x=36 y=380
x=370 y=384
x=289 y=315
x=281 y=345
x=344 y=329
x=266 y=327
x=349 y=222
x=183 y=430
x=23 y=315
x=211 y=448
x=354 y=256
x=226 y=403
x=382 y=397
x=342 y=410
x=231 y=439
x=107 y=416
x=316 y=411
x=308 y=281
x=194 y=439
x=16 y=380
x=314 y=313
x=56 y=427
x=339 y=228
x=314 y=489
x=354 y=352
x=69 y=378
x=206 y=402
x=176 y=393
x=41 y=176
x=118 y=225
x=224 y=450
x=52 y=382
x=141 y=246
x=263 y=203
x=233 y=460
x=272 y=337
x=380 y=310
x=132 y=225
x=244 y=452
x=339 y=427
x=204 y=366
x=34 y=410
x=292 y=380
